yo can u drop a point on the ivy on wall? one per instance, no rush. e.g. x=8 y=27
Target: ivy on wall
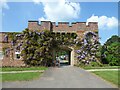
x=89 y=51
x=37 y=46
x=5 y=51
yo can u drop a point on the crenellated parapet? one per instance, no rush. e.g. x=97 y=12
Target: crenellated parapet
x=34 y=25
x=66 y=27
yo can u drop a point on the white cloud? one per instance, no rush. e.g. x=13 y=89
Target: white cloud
x=104 y=22
x=3 y=4
x=60 y=10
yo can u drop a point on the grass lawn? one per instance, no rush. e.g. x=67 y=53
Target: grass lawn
x=104 y=67
x=22 y=68
x=0 y=77
x=20 y=76
x=111 y=76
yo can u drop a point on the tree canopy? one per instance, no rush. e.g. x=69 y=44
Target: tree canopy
x=110 y=51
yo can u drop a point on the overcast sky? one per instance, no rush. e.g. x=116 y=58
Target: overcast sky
x=15 y=15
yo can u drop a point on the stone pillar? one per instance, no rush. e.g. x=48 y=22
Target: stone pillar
x=72 y=57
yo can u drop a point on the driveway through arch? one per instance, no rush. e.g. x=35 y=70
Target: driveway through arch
x=63 y=77
x=71 y=52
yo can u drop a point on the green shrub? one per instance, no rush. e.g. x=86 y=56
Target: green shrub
x=96 y=64
x=98 y=54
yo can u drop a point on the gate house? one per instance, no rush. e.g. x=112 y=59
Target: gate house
x=80 y=28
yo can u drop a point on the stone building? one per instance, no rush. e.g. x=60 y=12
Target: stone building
x=12 y=57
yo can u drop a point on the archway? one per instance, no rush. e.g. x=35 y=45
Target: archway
x=65 y=55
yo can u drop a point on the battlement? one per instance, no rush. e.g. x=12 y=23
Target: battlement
x=63 y=26
x=59 y=23
x=34 y=25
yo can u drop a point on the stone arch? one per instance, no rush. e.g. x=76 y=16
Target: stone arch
x=71 y=54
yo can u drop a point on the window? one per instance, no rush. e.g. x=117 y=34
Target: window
x=17 y=55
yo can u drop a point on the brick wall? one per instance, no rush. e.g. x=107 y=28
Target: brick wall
x=77 y=27
x=9 y=60
x=34 y=25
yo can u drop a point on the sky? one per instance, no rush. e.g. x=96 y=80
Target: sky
x=15 y=15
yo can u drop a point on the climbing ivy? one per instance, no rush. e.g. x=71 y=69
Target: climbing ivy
x=89 y=51
x=37 y=46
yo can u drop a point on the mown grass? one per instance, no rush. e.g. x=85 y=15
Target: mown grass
x=111 y=76
x=0 y=77
x=20 y=76
x=22 y=68
x=104 y=67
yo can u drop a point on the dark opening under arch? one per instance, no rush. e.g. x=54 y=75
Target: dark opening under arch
x=64 y=54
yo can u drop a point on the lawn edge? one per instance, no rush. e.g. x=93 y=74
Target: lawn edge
x=114 y=85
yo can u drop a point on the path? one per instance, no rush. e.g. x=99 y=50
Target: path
x=63 y=77
x=23 y=71
x=103 y=70
x=44 y=70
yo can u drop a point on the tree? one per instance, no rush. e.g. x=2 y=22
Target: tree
x=111 y=40
x=110 y=51
x=112 y=54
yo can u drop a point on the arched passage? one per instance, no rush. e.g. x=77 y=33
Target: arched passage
x=68 y=55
